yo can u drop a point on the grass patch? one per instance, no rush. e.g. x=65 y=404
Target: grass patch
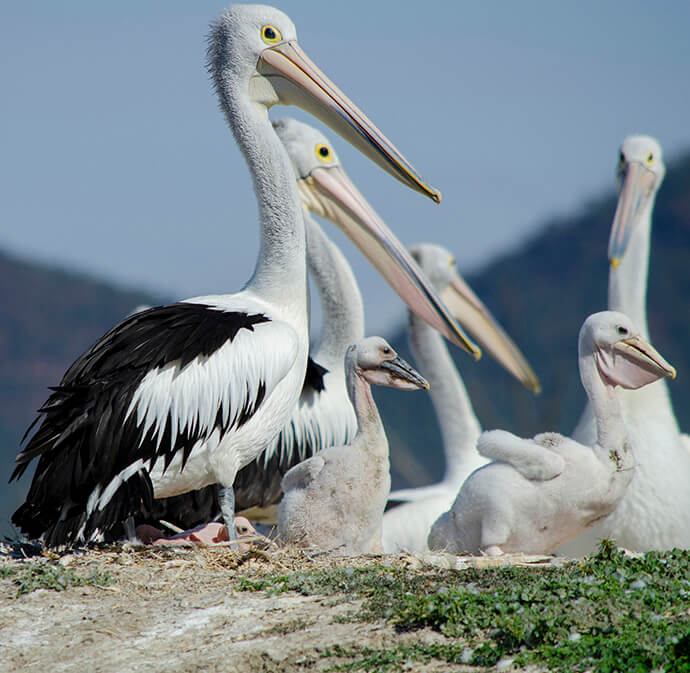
x=394 y=659
x=32 y=576
x=593 y=616
x=611 y=612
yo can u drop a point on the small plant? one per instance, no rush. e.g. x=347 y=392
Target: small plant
x=33 y=576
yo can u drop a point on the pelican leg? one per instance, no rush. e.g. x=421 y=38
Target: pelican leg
x=226 y=500
x=130 y=530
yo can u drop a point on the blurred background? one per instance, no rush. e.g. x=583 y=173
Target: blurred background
x=120 y=183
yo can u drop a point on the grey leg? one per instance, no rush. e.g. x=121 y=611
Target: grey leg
x=226 y=499
x=130 y=530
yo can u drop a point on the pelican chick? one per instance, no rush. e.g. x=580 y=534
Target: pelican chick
x=334 y=501
x=538 y=493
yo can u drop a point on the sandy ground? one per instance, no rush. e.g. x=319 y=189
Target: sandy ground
x=180 y=610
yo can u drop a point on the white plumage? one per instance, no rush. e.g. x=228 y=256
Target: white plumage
x=537 y=493
x=655 y=511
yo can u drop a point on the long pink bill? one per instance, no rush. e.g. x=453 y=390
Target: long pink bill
x=331 y=194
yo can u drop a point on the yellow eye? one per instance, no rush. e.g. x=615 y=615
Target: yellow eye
x=324 y=153
x=649 y=158
x=451 y=261
x=271 y=34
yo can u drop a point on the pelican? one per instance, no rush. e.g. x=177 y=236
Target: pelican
x=323 y=416
x=182 y=396
x=540 y=492
x=655 y=511
x=334 y=501
x=406 y=526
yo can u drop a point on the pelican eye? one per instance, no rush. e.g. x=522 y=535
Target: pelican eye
x=621 y=157
x=386 y=350
x=271 y=34
x=451 y=261
x=623 y=331
x=649 y=158
x=324 y=153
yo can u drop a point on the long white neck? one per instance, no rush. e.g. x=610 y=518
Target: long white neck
x=343 y=310
x=280 y=275
x=460 y=428
x=628 y=282
x=612 y=435
x=628 y=294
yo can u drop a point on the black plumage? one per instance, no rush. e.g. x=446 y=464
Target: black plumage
x=314 y=376
x=85 y=437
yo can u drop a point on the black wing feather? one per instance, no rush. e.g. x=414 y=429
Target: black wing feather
x=84 y=440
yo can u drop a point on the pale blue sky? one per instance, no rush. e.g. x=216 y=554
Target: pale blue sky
x=115 y=159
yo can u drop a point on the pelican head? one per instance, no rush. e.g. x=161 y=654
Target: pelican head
x=327 y=191
x=255 y=47
x=639 y=174
x=623 y=358
x=439 y=266
x=375 y=360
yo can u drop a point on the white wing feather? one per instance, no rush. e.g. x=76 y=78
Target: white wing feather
x=228 y=380
x=529 y=457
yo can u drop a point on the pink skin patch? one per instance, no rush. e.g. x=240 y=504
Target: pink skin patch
x=632 y=368
x=209 y=533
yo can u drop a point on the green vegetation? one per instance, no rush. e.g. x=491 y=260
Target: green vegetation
x=367 y=659
x=608 y=613
x=32 y=576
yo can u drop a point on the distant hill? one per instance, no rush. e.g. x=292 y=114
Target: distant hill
x=540 y=292
x=48 y=316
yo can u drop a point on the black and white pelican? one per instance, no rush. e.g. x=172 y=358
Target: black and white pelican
x=181 y=396
x=655 y=511
x=540 y=492
x=334 y=501
x=323 y=415
x=406 y=526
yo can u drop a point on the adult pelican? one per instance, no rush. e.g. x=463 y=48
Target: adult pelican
x=655 y=511
x=406 y=526
x=324 y=415
x=181 y=396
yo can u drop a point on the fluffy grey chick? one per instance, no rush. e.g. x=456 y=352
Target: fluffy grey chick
x=335 y=500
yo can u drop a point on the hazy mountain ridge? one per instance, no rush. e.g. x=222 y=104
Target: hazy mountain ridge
x=541 y=293
x=48 y=316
